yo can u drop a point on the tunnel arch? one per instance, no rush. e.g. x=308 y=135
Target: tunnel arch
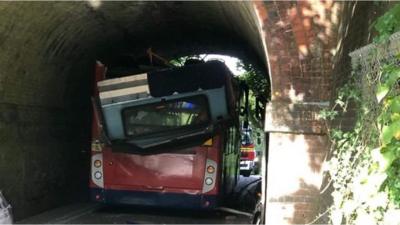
x=47 y=54
x=48 y=51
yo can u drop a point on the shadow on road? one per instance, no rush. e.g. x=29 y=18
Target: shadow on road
x=243 y=199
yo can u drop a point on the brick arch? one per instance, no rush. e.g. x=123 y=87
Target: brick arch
x=300 y=39
x=50 y=48
x=48 y=51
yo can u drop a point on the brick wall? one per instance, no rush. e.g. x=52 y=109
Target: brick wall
x=307 y=44
x=299 y=37
x=294 y=177
x=47 y=51
x=44 y=109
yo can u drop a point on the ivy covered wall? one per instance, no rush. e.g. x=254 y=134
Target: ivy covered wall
x=364 y=126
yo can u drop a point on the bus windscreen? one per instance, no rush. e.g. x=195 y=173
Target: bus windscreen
x=166 y=116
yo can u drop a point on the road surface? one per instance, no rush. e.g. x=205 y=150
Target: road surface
x=94 y=213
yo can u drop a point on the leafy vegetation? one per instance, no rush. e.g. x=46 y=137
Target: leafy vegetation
x=259 y=92
x=365 y=164
x=388 y=24
x=178 y=62
x=255 y=80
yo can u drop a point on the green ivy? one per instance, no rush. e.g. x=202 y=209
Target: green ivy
x=259 y=88
x=256 y=81
x=365 y=164
x=388 y=23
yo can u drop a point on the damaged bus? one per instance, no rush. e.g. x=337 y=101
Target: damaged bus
x=168 y=138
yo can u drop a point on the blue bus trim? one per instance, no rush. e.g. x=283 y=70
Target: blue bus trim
x=154 y=199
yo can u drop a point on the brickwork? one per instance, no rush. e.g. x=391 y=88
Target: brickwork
x=47 y=51
x=307 y=45
x=300 y=39
x=295 y=190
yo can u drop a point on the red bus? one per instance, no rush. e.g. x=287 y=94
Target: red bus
x=168 y=138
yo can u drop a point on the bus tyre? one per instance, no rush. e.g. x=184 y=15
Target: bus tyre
x=257 y=214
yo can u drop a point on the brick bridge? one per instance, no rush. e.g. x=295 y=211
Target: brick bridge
x=47 y=51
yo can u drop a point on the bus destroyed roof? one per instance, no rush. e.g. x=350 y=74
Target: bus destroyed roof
x=190 y=78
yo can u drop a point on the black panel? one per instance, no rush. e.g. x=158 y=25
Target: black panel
x=209 y=75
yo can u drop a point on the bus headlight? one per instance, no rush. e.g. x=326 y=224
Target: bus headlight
x=97 y=163
x=209 y=181
x=210 y=176
x=210 y=169
x=98 y=175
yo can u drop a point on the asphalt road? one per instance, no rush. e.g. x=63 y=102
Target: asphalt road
x=93 y=213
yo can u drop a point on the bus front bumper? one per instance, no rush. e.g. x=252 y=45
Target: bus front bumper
x=154 y=199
